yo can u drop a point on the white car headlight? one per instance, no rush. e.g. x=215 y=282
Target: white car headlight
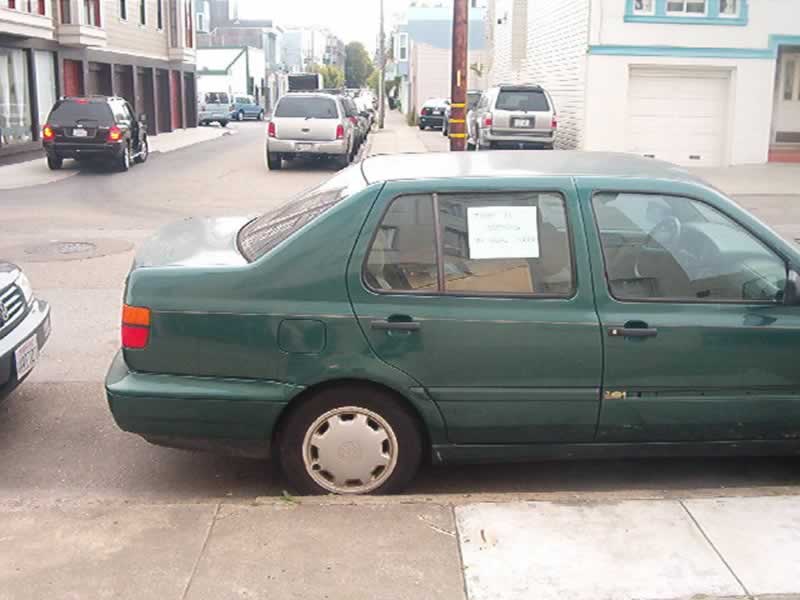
x=25 y=285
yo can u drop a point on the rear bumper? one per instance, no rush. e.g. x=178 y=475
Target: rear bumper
x=336 y=147
x=70 y=150
x=213 y=115
x=36 y=323
x=182 y=411
x=431 y=120
x=513 y=140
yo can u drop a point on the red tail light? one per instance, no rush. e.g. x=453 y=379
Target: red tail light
x=135 y=327
x=48 y=134
x=271 y=129
x=353 y=120
x=487 y=121
x=114 y=134
x=340 y=132
x=554 y=123
x=421 y=111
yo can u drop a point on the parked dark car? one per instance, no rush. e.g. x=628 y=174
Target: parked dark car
x=473 y=97
x=24 y=327
x=95 y=127
x=432 y=113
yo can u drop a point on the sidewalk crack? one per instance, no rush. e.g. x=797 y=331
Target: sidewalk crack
x=202 y=552
x=716 y=551
x=460 y=553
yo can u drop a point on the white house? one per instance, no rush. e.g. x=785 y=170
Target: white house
x=696 y=82
x=232 y=70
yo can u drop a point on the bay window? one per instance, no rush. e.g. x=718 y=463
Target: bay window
x=687 y=7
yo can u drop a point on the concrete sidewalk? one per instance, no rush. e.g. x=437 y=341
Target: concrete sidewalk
x=403 y=548
x=35 y=172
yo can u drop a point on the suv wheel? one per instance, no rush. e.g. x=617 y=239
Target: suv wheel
x=260 y=116
x=223 y=123
x=55 y=162
x=350 y=440
x=274 y=162
x=240 y=115
x=144 y=152
x=124 y=161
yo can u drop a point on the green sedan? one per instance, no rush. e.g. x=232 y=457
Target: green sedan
x=467 y=308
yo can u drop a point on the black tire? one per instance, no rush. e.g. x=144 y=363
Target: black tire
x=124 y=159
x=421 y=127
x=398 y=417
x=260 y=116
x=444 y=130
x=470 y=146
x=274 y=161
x=144 y=152
x=55 y=163
x=223 y=123
x=240 y=115
x=342 y=161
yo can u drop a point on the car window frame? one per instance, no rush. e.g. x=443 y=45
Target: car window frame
x=687 y=301
x=439 y=246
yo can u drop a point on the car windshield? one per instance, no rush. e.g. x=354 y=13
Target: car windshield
x=264 y=233
x=527 y=100
x=216 y=98
x=307 y=107
x=71 y=112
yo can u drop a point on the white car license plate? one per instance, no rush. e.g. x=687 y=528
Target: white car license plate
x=522 y=123
x=304 y=147
x=80 y=133
x=437 y=112
x=26 y=356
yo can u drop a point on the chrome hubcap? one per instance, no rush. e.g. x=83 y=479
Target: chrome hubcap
x=145 y=149
x=350 y=450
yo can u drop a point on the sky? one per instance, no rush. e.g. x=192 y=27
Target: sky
x=349 y=19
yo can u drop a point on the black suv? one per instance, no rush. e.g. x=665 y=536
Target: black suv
x=98 y=127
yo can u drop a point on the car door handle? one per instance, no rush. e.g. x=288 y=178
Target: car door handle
x=632 y=332
x=385 y=325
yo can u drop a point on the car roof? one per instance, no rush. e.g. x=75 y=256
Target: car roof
x=87 y=99
x=515 y=163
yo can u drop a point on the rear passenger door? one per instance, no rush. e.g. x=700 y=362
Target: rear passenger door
x=484 y=298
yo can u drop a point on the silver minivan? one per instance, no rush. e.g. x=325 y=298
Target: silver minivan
x=310 y=125
x=214 y=106
x=513 y=116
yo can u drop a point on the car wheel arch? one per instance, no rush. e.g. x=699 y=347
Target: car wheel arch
x=423 y=427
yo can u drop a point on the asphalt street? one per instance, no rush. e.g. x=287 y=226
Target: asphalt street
x=57 y=437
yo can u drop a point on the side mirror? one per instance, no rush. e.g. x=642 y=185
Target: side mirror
x=791 y=295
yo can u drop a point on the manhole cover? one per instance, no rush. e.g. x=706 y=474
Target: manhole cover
x=58 y=250
x=62 y=248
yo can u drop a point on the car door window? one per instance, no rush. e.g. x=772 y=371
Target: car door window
x=506 y=244
x=671 y=248
x=402 y=257
x=121 y=115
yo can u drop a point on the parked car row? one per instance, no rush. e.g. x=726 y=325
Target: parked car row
x=327 y=124
x=220 y=107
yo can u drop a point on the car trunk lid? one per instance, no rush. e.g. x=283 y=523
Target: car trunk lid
x=305 y=117
x=522 y=111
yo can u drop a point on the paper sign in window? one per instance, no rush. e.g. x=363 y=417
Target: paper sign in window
x=503 y=232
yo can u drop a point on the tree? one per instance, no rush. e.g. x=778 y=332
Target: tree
x=373 y=80
x=332 y=76
x=358 y=65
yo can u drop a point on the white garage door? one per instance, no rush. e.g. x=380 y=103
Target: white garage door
x=678 y=115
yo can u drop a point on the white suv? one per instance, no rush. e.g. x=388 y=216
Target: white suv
x=513 y=116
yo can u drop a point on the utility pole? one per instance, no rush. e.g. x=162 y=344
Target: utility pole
x=458 y=84
x=382 y=76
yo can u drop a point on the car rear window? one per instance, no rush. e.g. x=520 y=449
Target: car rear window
x=217 y=98
x=263 y=233
x=72 y=112
x=314 y=108
x=530 y=100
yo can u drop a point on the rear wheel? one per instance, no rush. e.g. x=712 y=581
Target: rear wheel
x=260 y=116
x=421 y=127
x=55 y=163
x=240 y=115
x=350 y=440
x=274 y=161
x=144 y=152
x=223 y=123
x=124 y=160
x=470 y=146
x=343 y=160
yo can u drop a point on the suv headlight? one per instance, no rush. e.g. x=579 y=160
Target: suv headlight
x=24 y=284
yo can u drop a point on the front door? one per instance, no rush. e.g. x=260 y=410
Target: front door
x=787 y=103
x=699 y=345
x=484 y=298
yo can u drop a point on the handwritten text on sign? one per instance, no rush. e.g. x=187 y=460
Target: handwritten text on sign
x=503 y=232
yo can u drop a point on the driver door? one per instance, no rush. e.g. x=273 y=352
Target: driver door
x=698 y=343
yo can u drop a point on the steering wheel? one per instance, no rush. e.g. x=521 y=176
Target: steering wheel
x=664 y=233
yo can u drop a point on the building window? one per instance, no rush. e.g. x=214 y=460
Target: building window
x=91 y=13
x=45 y=82
x=402 y=47
x=643 y=7
x=788 y=80
x=173 y=23
x=519 y=33
x=30 y=6
x=66 y=15
x=123 y=9
x=142 y=12
x=16 y=126
x=687 y=7
x=160 y=13
x=188 y=23
x=729 y=8
x=201 y=25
